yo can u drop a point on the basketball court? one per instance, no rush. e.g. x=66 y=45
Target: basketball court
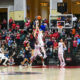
x=39 y=73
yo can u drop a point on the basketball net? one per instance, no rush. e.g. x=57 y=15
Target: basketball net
x=60 y=28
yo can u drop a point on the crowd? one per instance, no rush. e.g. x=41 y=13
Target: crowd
x=17 y=43
x=17 y=38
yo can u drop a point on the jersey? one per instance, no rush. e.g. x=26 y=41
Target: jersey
x=40 y=39
x=60 y=48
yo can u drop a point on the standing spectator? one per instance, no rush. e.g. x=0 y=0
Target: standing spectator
x=69 y=43
x=55 y=45
x=13 y=26
x=73 y=31
x=18 y=38
x=4 y=24
x=27 y=25
x=17 y=26
x=75 y=45
x=10 y=22
x=4 y=35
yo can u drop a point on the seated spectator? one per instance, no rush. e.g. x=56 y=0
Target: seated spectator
x=7 y=38
x=21 y=31
x=21 y=53
x=12 y=36
x=49 y=43
x=17 y=26
x=55 y=45
x=10 y=42
x=76 y=35
x=22 y=38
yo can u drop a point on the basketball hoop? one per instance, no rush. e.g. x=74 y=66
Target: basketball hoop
x=60 y=29
x=60 y=25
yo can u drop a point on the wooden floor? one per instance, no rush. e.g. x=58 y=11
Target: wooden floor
x=39 y=73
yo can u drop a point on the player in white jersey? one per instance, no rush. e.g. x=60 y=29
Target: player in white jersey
x=41 y=43
x=61 y=47
x=40 y=40
x=37 y=52
x=2 y=56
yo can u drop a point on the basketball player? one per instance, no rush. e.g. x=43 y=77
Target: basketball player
x=37 y=53
x=41 y=43
x=27 y=54
x=2 y=56
x=40 y=40
x=61 y=47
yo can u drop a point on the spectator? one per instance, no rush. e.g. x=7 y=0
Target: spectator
x=25 y=42
x=13 y=26
x=17 y=26
x=7 y=38
x=78 y=40
x=4 y=24
x=73 y=31
x=18 y=38
x=10 y=22
x=76 y=35
x=55 y=45
x=27 y=25
x=75 y=45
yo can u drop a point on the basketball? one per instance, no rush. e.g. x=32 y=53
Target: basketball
x=38 y=17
